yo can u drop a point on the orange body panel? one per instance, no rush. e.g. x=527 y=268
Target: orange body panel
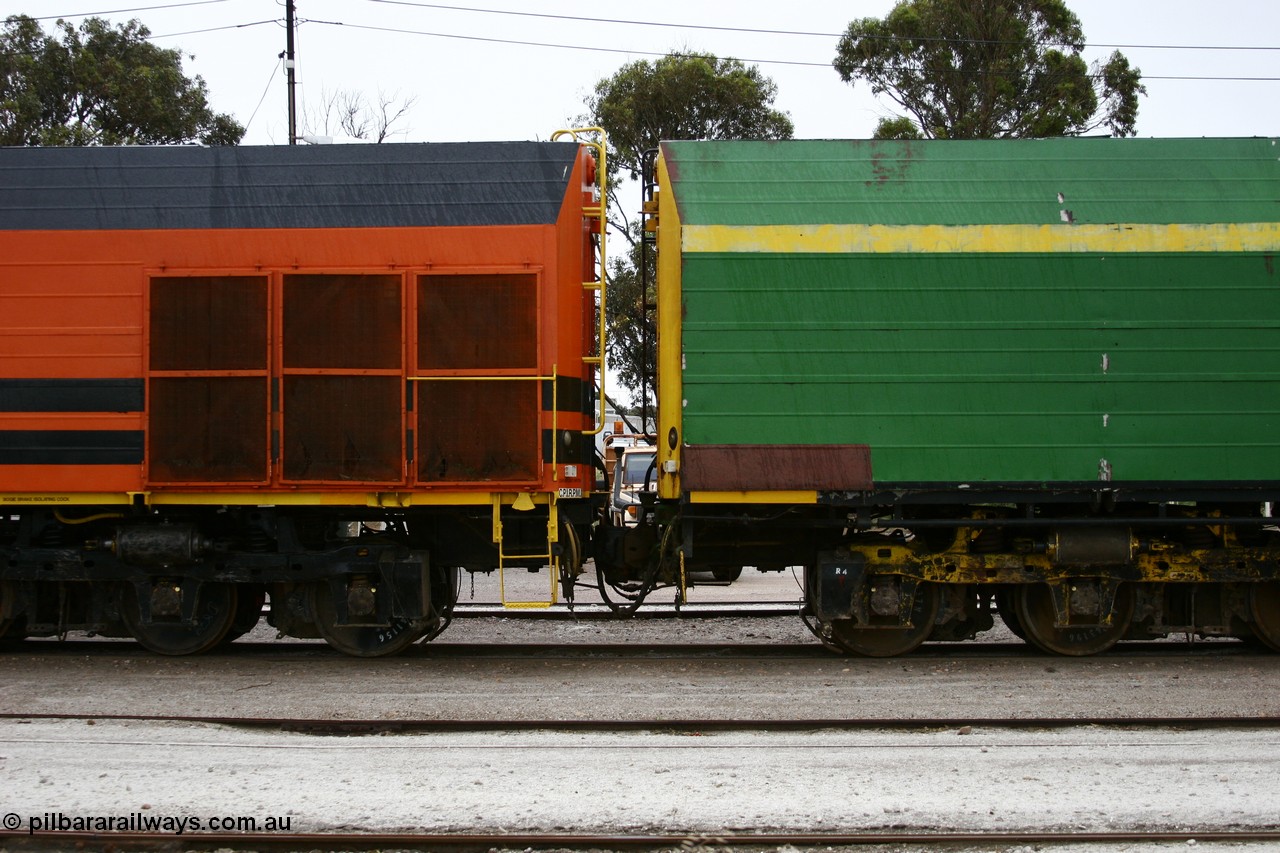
x=67 y=480
x=75 y=305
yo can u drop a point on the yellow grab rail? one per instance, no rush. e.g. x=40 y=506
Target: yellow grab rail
x=596 y=211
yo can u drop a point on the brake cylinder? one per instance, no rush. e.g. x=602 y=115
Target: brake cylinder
x=1096 y=546
x=160 y=545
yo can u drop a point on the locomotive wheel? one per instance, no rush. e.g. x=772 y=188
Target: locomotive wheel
x=215 y=612
x=362 y=641
x=1033 y=607
x=249 y=601
x=1008 y=611
x=887 y=642
x=726 y=574
x=1264 y=612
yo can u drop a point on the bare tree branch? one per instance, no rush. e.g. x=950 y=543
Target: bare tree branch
x=346 y=113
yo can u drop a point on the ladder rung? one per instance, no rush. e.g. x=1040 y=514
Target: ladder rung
x=504 y=559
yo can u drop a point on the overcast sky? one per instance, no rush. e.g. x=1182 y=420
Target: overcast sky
x=471 y=77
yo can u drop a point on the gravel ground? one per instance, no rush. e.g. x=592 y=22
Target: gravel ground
x=595 y=681
x=1086 y=779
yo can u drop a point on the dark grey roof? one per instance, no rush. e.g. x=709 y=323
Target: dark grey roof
x=302 y=186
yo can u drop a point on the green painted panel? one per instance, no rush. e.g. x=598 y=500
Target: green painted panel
x=996 y=367
x=958 y=182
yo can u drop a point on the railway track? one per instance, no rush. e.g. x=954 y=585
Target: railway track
x=962 y=725
x=613 y=841
x=652 y=609
x=588 y=650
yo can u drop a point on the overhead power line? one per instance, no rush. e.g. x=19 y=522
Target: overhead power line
x=625 y=51
x=663 y=24
x=216 y=29
x=598 y=49
x=419 y=5
x=249 y=123
x=121 y=11
x=155 y=36
x=491 y=39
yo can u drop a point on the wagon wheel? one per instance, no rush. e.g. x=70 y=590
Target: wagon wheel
x=570 y=562
x=10 y=627
x=1264 y=613
x=1033 y=605
x=1008 y=611
x=214 y=614
x=249 y=601
x=362 y=641
x=879 y=642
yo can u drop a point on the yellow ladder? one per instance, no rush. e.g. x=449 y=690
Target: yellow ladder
x=523 y=502
x=594 y=138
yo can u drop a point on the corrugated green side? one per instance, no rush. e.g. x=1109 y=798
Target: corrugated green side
x=975 y=182
x=988 y=367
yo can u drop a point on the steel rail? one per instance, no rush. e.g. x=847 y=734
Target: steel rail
x=651 y=609
x=958 y=652
x=809 y=650
x=686 y=725
x=969 y=650
x=616 y=841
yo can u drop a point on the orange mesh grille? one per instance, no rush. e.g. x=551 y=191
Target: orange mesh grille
x=343 y=428
x=473 y=431
x=208 y=429
x=342 y=321
x=209 y=323
x=477 y=322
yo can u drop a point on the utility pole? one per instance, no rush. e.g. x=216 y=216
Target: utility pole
x=289 y=72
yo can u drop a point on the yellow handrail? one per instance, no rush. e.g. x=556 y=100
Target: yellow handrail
x=553 y=380
x=598 y=212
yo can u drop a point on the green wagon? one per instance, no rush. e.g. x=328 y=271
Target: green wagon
x=1041 y=374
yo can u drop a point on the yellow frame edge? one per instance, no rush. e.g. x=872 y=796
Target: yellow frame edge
x=788 y=497
x=386 y=500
